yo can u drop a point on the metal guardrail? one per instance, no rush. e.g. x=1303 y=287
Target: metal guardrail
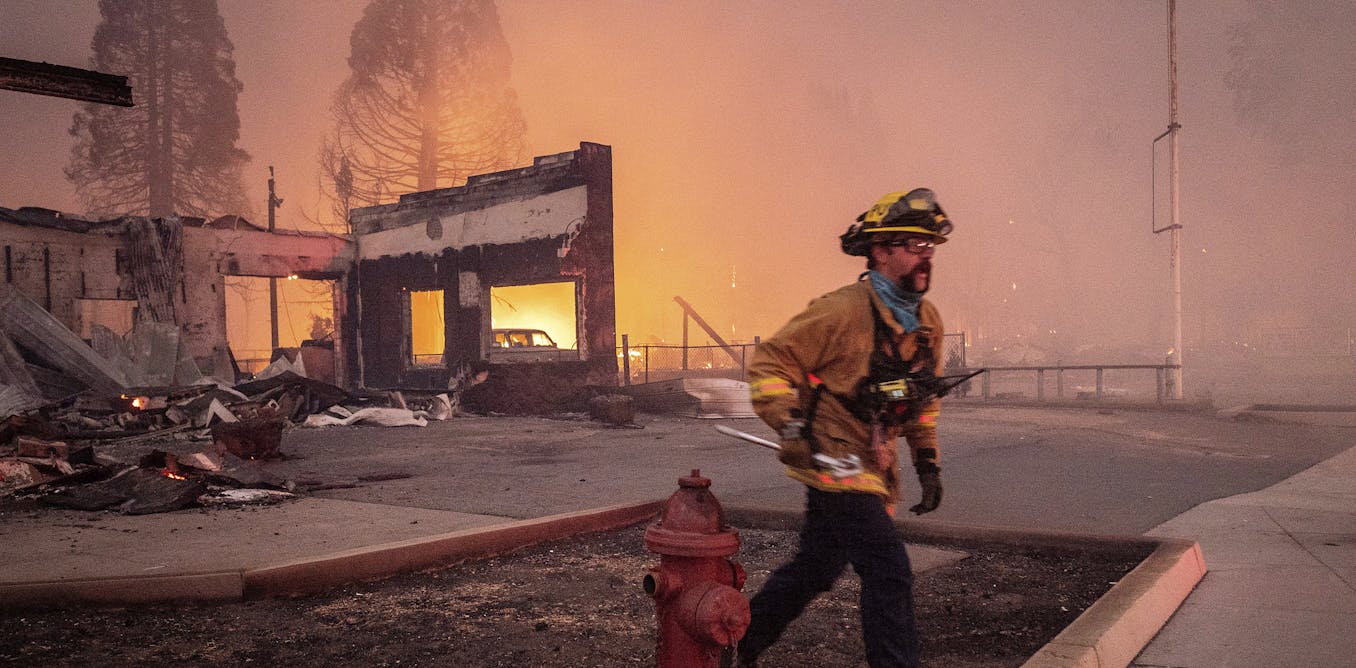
x=1303 y=408
x=653 y=362
x=1161 y=378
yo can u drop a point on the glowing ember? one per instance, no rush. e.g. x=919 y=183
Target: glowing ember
x=171 y=474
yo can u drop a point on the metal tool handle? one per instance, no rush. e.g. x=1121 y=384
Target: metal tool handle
x=744 y=436
x=839 y=467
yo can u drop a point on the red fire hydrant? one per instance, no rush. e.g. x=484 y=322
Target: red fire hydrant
x=695 y=588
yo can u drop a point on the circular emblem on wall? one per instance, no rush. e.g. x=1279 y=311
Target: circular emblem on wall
x=434 y=229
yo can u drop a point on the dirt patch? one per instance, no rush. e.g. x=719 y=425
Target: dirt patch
x=576 y=602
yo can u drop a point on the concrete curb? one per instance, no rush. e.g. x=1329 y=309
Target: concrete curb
x=315 y=573
x=1293 y=408
x=1114 y=629
x=220 y=586
x=1284 y=412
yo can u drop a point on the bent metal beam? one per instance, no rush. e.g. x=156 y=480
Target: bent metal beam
x=60 y=81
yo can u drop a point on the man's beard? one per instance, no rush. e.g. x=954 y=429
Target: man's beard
x=908 y=282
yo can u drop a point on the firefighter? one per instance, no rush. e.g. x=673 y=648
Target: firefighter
x=835 y=382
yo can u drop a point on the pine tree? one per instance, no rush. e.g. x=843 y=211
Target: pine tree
x=175 y=151
x=427 y=103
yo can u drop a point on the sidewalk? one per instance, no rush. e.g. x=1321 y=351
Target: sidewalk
x=1281 y=586
x=70 y=557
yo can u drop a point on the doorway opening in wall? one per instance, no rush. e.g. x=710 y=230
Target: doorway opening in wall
x=534 y=323
x=428 y=332
x=305 y=319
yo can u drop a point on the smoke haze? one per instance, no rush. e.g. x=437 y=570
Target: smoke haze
x=746 y=136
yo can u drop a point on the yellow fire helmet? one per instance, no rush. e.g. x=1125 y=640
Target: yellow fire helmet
x=915 y=211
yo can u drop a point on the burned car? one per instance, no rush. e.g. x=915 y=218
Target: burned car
x=522 y=338
x=526 y=345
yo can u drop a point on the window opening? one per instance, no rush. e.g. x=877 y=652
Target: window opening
x=537 y=322
x=428 y=333
x=305 y=312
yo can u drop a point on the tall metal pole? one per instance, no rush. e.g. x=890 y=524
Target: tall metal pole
x=1174 y=225
x=273 y=203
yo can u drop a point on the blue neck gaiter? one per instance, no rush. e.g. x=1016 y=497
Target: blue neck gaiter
x=903 y=304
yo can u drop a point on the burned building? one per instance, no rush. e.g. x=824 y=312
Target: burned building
x=115 y=274
x=512 y=272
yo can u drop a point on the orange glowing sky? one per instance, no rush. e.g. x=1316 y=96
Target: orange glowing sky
x=747 y=135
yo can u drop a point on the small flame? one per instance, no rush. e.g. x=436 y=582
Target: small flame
x=139 y=402
x=171 y=474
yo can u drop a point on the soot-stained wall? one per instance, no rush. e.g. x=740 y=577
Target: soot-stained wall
x=550 y=222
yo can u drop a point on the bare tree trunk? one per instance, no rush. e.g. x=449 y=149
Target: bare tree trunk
x=428 y=140
x=428 y=111
x=167 y=131
x=157 y=200
x=429 y=136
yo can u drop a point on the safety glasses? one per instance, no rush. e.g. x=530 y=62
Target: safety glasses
x=915 y=245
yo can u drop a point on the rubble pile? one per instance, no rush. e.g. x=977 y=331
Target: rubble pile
x=74 y=433
x=83 y=454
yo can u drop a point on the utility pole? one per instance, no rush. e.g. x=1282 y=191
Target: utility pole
x=1176 y=262
x=273 y=203
x=1174 y=380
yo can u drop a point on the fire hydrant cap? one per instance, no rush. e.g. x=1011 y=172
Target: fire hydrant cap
x=694 y=480
x=692 y=523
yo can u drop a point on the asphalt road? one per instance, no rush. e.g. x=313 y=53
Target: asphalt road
x=1109 y=471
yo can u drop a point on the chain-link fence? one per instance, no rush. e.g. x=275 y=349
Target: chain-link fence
x=649 y=363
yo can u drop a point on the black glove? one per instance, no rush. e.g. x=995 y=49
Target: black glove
x=930 y=479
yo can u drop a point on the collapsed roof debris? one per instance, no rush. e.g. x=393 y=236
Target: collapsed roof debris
x=29 y=326
x=74 y=440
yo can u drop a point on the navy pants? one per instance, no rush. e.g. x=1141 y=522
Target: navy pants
x=843 y=528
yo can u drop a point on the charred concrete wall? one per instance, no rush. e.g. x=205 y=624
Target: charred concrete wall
x=60 y=261
x=550 y=222
x=211 y=255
